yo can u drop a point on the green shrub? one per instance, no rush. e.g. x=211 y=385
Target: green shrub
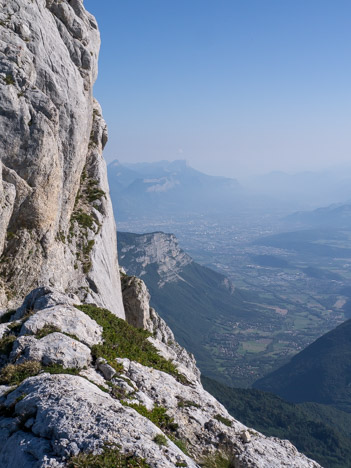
x=187 y=404
x=94 y=193
x=125 y=341
x=160 y=439
x=223 y=420
x=83 y=219
x=109 y=458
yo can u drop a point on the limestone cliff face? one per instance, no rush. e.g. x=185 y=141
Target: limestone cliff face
x=56 y=222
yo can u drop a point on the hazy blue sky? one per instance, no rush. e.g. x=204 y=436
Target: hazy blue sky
x=232 y=86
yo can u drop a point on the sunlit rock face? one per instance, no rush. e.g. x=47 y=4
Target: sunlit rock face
x=56 y=222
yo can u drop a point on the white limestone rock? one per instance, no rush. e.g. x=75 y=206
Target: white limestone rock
x=64 y=415
x=200 y=429
x=136 y=300
x=67 y=319
x=54 y=348
x=94 y=377
x=107 y=371
x=71 y=415
x=42 y=298
x=4 y=329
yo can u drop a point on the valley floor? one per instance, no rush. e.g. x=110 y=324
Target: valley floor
x=296 y=283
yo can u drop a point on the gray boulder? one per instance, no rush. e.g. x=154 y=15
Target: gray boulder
x=67 y=319
x=54 y=348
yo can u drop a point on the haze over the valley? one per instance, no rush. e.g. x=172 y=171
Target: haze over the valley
x=236 y=88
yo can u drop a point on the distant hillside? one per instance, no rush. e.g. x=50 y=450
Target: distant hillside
x=318 y=242
x=321 y=432
x=168 y=188
x=320 y=373
x=333 y=216
x=194 y=300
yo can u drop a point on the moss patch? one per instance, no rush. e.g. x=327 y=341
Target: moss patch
x=122 y=340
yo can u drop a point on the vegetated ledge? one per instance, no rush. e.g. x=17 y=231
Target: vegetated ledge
x=141 y=411
x=122 y=340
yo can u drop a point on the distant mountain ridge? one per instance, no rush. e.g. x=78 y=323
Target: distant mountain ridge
x=168 y=187
x=337 y=216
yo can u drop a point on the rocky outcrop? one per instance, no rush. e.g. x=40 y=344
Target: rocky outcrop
x=158 y=249
x=136 y=300
x=168 y=419
x=56 y=221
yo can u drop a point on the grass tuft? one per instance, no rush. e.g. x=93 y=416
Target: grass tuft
x=109 y=458
x=158 y=415
x=223 y=420
x=14 y=374
x=6 y=343
x=46 y=330
x=219 y=460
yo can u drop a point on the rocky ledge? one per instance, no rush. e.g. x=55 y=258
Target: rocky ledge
x=79 y=385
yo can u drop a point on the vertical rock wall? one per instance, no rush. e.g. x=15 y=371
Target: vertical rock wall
x=56 y=221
